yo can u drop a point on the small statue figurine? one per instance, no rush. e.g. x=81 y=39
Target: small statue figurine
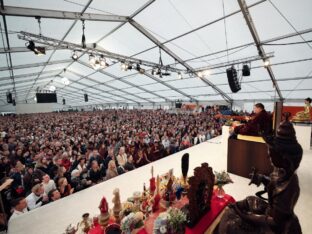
x=255 y=215
x=70 y=229
x=169 y=195
x=152 y=182
x=304 y=115
x=156 y=198
x=84 y=225
x=104 y=216
x=117 y=205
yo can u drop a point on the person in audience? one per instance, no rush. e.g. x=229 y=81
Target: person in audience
x=122 y=157
x=95 y=172
x=261 y=122
x=18 y=188
x=37 y=197
x=54 y=195
x=64 y=187
x=109 y=157
x=141 y=159
x=111 y=171
x=42 y=164
x=129 y=166
x=59 y=143
x=48 y=184
x=19 y=206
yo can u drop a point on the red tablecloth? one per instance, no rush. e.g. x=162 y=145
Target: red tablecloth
x=217 y=205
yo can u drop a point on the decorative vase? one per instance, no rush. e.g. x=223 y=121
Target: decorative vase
x=220 y=191
x=177 y=230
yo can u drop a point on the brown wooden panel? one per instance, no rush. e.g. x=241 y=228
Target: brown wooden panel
x=243 y=155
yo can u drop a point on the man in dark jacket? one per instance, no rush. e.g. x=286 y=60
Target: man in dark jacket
x=261 y=122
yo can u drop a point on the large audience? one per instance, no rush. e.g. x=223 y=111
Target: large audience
x=52 y=155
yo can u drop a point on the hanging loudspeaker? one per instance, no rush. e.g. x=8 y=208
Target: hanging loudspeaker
x=64 y=101
x=232 y=79
x=9 y=97
x=246 y=70
x=86 y=97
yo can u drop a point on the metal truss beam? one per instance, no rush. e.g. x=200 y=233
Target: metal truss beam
x=65 y=35
x=200 y=27
x=3 y=86
x=82 y=90
x=66 y=94
x=90 y=86
x=32 y=74
x=44 y=13
x=169 y=86
x=126 y=82
x=176 y=58
x=20 y=49
x=235 y=62
x=95 y=50
x=256 y=38
x=36 y=64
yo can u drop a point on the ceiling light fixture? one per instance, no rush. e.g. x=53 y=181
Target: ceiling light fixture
x=75 y=56
x=139 y=69
x=52 y=88
x=92 y=59
x=65 y=81
x=266 y=63
x=38 y=50
x=102 y=62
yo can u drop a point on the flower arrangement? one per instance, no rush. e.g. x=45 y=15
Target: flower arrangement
x=132 y=221
x=222 y=178
x=172 y=221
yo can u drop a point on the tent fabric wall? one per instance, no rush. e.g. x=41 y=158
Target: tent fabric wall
x=195 y=31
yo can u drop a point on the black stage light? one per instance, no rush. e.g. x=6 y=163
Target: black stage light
x=246 y=70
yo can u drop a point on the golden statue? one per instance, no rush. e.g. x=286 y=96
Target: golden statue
x=304 y=115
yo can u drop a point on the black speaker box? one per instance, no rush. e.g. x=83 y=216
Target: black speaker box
x=232 y=79
x=9 y=97
x=64 y=101
x=86 y=97
x=246 y=70
x=46 y=97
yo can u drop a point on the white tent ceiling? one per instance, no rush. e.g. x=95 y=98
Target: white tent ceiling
x=200 y=33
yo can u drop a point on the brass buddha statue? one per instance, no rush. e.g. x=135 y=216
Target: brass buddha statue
x=276 y=215
x=304 y=115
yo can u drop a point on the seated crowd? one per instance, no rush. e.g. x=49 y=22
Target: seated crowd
x=52 y=155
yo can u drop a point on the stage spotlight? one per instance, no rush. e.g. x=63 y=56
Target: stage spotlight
x=65 y=81
x=30 y=45
x=153 y=72
x=96 y=65
x=200 y=74
x=52 y=88
x=102 y=61
x=124 y=67
x=246 y=70
x=139 y=69
x=75 y=56
x=38 y=50
x=207 y=72
x=159 y=73
x=266 y=63
x=180 y=75
x=129 y=66
x=92 y=59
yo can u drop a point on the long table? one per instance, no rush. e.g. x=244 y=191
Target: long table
x=53 y=218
